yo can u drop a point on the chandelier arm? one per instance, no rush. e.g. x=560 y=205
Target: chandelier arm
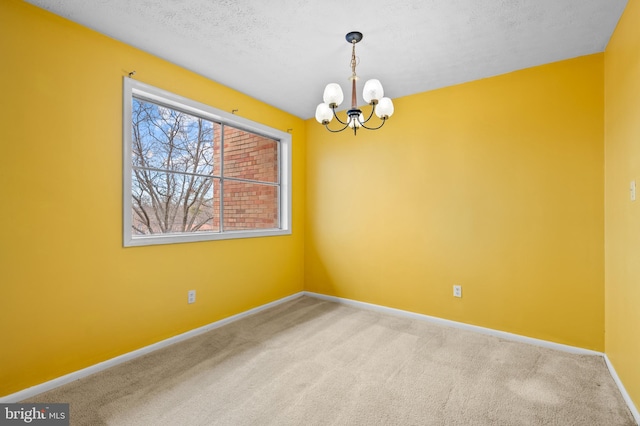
x=384 y=120
x=337 y=130
x=338 y=118
x=373 y=109
x=341 y=122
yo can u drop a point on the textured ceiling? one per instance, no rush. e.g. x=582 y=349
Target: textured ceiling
x=284 y=52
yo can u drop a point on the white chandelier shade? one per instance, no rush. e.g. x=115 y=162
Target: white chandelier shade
x=372 y=91
x=333 y=94
x=385 y=108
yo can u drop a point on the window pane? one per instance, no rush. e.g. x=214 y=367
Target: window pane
x=163 y=138
x=174 y=174
x=168 y=203
x=250 y=156
x=250 y=206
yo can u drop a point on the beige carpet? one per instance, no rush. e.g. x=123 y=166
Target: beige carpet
x=312 y=362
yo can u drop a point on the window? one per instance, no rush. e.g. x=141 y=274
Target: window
x=194 y=173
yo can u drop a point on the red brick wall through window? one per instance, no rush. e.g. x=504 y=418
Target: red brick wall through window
x=248 y=205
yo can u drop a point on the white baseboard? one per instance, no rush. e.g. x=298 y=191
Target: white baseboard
x=623 y=391
x=459 y=325
x=68 y=378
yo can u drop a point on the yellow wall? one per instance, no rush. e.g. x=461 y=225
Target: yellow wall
x=496 y=185
x=70 y=294
x=622 y=216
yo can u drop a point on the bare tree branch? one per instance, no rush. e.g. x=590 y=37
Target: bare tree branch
x=175 y=200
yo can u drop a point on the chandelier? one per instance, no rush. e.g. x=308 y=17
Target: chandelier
x=373 y=94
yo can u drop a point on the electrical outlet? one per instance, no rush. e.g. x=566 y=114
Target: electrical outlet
x=191 y=298
x=632 y=190
x=457 y=291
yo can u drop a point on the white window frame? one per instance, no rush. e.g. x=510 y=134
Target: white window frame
x=144 y=91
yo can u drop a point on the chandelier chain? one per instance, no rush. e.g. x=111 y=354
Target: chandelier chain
x=353 y=59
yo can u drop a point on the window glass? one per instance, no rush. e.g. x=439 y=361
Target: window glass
x=194 y=173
